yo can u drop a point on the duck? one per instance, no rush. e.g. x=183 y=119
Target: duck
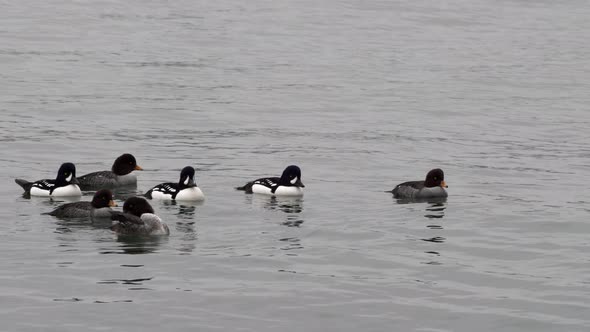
x=138 y=218
x=432 y=187
x=64 y=185
x=99 y=207
x=289 y=184
x=119 y=175
x=185 y=190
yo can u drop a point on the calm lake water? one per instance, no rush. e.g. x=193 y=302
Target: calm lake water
x=362 y=96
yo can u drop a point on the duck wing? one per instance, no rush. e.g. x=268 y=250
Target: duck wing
x=407 y=189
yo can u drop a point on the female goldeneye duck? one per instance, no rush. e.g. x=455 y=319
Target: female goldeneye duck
x=138 y=218
x=100 y=207
x=185 y=190
x=289 y=184
x=119 y=175
x=433 y=187
x=65 y=184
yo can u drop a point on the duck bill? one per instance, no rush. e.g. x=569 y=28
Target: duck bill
x=191 y=183
x=112 y=203
x=444 y=184
x=74 y=181
x=138 y=168
x=299 y=184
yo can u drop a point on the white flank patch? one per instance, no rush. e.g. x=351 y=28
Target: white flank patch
x=161 y=196
x=289 y=191
x=281 y=191
x=39 y=192
x=190 y=194
x=69 y=190
x=260 y=189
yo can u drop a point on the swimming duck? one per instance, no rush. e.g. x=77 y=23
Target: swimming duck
x=433 y=187
x=185 y=190
x=65 y=184
x=138 y=218
x=100 y=207
x=119 y=175
x=289 y=184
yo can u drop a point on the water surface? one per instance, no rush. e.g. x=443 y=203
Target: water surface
x=361 y=96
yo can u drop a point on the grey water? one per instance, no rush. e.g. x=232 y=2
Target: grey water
x=362 y=95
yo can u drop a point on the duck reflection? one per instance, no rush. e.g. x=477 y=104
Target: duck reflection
x=435 y=210
x=287 y=205
x=432 y=200
x=435 y=207
x=66 y=225
x=134 y=245
x=291 y=206
x=188 y=233
x=291 y=243
x=184 y=210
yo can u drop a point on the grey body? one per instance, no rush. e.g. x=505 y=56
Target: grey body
x=130 y=224
x=80 y=210
x=106 y=179
x=416 y=189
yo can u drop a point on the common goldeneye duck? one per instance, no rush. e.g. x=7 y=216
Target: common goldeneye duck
x=65 y=184
x=100 y=207
x=138 y=218
x=289 y=184
x=433 y=187
x=185 y=190
x=119 y=175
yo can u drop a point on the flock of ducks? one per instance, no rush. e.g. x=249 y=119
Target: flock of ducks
x=138 y=217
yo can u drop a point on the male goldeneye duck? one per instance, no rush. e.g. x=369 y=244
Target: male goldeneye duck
x=433 y=187
x=100 y=207
x=65 y=184
x=119 y=175
x=138 y=218
x=185 y=190
x=289 y=184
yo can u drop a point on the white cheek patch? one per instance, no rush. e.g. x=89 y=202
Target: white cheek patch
x=186 y=181
x=294 y=180
x=69 y=178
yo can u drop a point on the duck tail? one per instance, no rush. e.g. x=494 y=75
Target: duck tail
x=247 y=187
x=24 y=183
